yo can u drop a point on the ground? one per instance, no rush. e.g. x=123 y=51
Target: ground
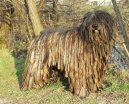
x=54 y=93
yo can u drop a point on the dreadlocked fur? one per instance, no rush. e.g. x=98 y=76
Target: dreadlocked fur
x=81 y=53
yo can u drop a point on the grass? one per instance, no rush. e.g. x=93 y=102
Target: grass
x=119 y=80
x=118 y=86
x=11 y=76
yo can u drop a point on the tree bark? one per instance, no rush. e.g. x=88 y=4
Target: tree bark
x=34 y=17
x=121 y=24
x=21 y=14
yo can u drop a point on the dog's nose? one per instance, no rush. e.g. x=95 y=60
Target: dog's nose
x=95 y=26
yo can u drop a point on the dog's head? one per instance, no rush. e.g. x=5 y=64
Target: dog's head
x=97 y=26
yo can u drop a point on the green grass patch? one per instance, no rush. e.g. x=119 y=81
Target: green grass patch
x=119 y=80
x=118 y=86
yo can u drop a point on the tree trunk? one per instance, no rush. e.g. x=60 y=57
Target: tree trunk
x=123 y=31
x=20 y=16
x=34 y=17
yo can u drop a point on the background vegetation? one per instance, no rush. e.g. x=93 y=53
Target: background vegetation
x=18 y=26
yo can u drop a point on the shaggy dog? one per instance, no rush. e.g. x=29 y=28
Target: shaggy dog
x=81 y=53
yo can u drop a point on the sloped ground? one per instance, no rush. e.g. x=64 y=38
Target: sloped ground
x=10 y=93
